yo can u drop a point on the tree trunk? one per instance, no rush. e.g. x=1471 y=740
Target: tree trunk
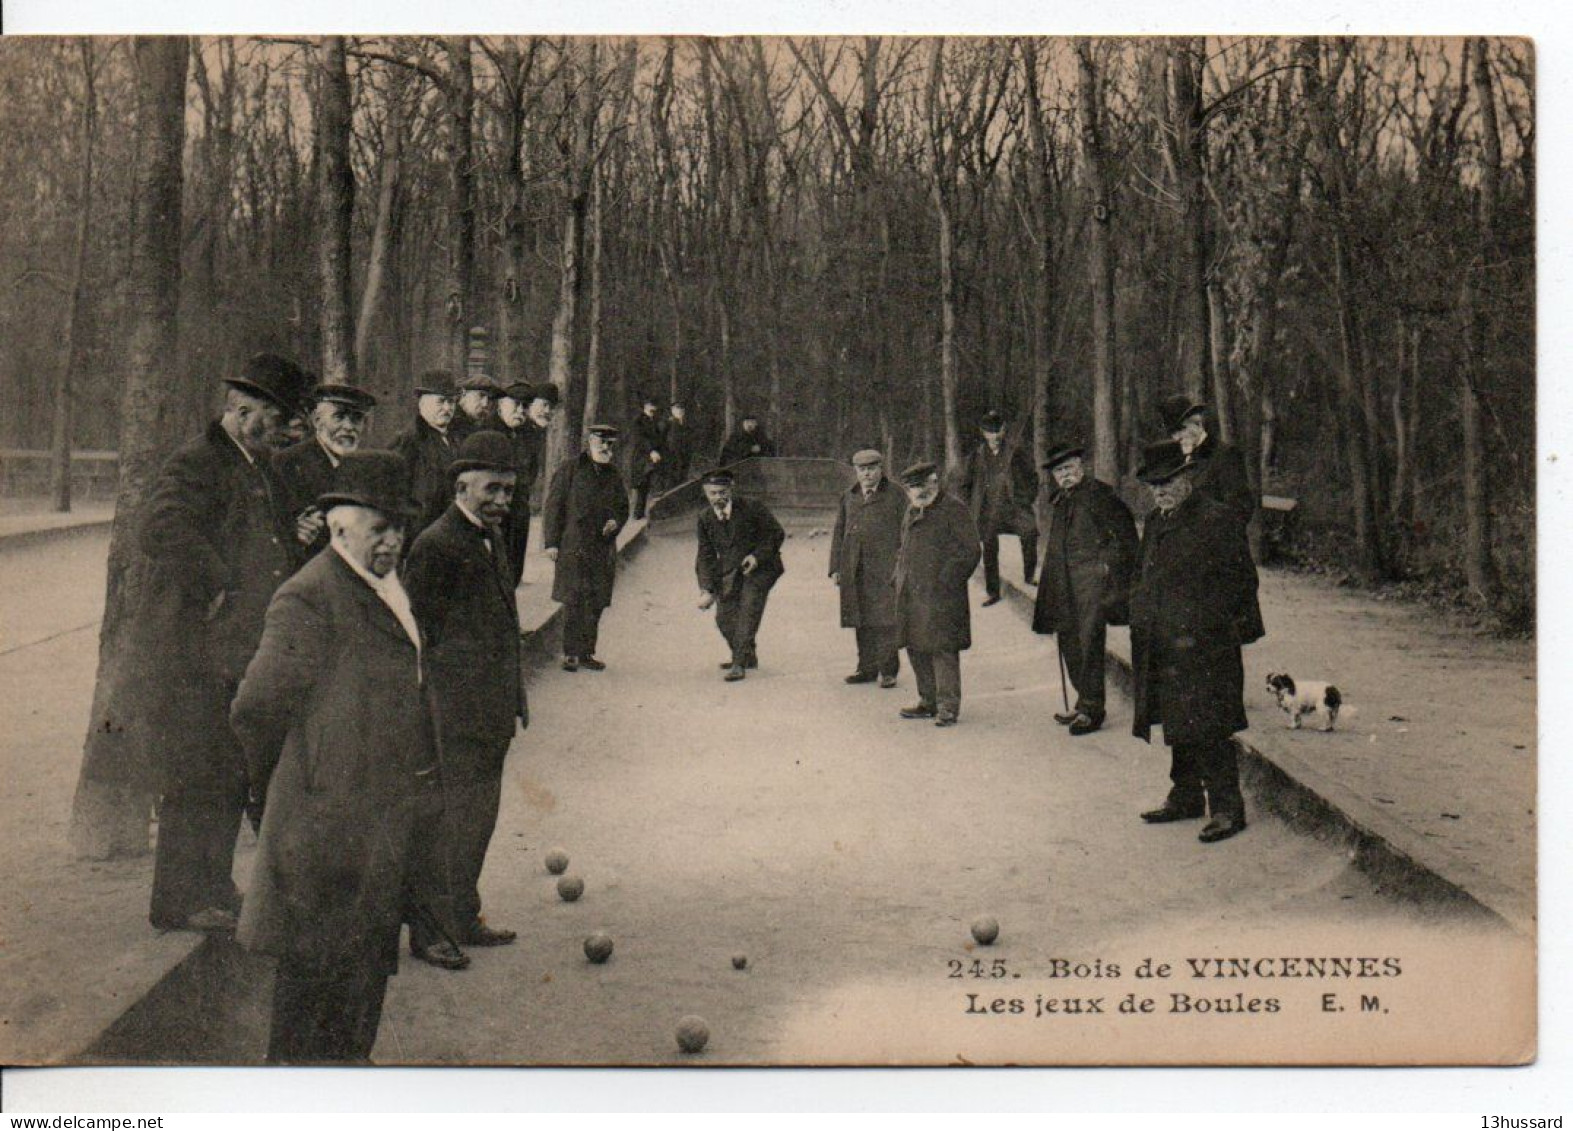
x=461 y=201
x=592 y=360
x=511 y=343
x=335 y=211
x=1188 y=149
x=76 y=335
x=563 y=438
x=1479 y=569
x=1100 y=262
x=948 y=377
x=384 y=235
x=1218 y=348
x=114 y=797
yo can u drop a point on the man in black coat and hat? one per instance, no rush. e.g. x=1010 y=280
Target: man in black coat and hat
x=513 y=421
x=1191 y=612
x=677 y=446
x=461 y=588
x=586 y=505
x=646 y=451
x=863 y=549
x=338 y=417
x=1088 y=557
x=749 y=440
x=428 y=446
x=1000 y=487
x=738 y=563
x=220 y=538
x=477 y=408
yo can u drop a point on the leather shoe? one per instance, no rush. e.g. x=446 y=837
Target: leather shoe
x=570 y=663
x=918 y=711
x=1065 y=718
x=1221 y=827
x=1086 y=724
x=480 y=934
x=861 y=677
x=887 y=681
x=1169 y=811
x=442 y=954
x=734 y=673
x=590 y=663
x=212 y=920
x=992 y=599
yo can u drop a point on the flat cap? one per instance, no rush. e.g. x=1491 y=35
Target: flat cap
x=480 y=383
x=919 y=473
x=992 y=421
x=545 y=391
x=344 y=394
x=868 y=457
x=718 y=477
x=521 y=391
x=605 y=431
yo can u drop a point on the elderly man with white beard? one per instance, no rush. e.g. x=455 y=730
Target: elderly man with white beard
x=306 y=469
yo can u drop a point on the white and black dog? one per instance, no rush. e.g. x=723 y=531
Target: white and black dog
x=1299 y=700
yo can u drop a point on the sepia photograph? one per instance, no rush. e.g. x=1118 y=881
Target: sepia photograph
x=762 y=550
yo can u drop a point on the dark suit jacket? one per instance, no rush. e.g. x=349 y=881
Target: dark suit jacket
x=1221 y=476
x=582 y=497
x=429 y=455
x=863 y=551
x=1088 y=557
x=752 y=530
x=645 y=435
x=939 y=550
x=1000 y=489
x=462 y=595
x=306 y=472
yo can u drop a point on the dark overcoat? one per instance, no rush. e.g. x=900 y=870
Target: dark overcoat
x=1088 y=557
x=677 y=448
x=583 y=496
x=939 y=550
x=306 y=472
x=752 y=530
x=1190 y=605
x=214 y=524
x=645 y=435
x=332 y=714
x=741 y=445
x=531 y=457
x=429 y=454
x=462 y=596
x=1000 y=488
x=1220 y=475
x=863 y=549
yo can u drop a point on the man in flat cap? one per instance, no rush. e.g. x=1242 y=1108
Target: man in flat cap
x=586 y=505
x=863 y=549
x=478 y=395
x=1085 y=584
x=1001 y=487
x=428 y=446
x=461 y=588
x=1191 y=611
x=749 y=440
x=338 y=417
x=738 y=563
x=939 y=551
x=336 y=726
x=219 y=538
x=646 y=451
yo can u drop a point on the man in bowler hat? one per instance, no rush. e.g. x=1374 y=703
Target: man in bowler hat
x=738 y=563
x=1001 y=487
x=1191 y=612
x=863 y=549
x=513 y=417
x=586 y=505
x=338 y=417
x=428 y=446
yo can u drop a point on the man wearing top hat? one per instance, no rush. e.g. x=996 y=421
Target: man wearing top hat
x=1001 y=487
x=1088 y=556
x=863 y=549
x=338 y=416
x=939 y=551
x=738 y=563
x=335 y=722
x=586 y=505
x=478 y=395
x=1191 y=611
x=428 y=447
x=646 y=451
x=219 y=538
x=749 y=440
x=461 y=588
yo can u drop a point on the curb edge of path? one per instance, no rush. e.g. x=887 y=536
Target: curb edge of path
x=1396 y=857
x=19 y=538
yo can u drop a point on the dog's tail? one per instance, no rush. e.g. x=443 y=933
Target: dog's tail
x=1334 y=698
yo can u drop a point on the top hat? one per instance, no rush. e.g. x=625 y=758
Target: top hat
x=371 y=478
x=1177 y=409
x=273 y=378
x=919 y=473
x=345 y=395
x=604 y=431
x=1162 y=461
x=1059 y=453
x=992 y=421
x=868 y=457
x=720 y=477
x=436 y=383
x=486 y=450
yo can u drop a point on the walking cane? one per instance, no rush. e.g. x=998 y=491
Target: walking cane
x=1064 y=693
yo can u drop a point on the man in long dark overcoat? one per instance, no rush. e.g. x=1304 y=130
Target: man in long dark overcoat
x=738 y=563
x=338 y=417
x=646 y=451
x=677 y=446
x=219 y=538
x=863 y=549
x=1000 y=487
x=513 y=419
x=939 y=551
x=428 y=446
x=460 y=586
x=334 y=718
x=586 y=505
x=1192 y=608
x=1084 y=586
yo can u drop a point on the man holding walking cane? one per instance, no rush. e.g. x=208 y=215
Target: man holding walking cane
x=1085 y=583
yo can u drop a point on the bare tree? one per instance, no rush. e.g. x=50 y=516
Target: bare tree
x=336 y=211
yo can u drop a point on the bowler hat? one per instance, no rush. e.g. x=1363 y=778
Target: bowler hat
x=868 y=457
x=719 y=477
x=919 y=473
x=436 y=383
x=1177 y=409
x=545 y=391
x=345 y=395
x=520 y=391
x=273 y=378
x=992 y=421
x=486 y=450
x=480 y=383
x=604 y=431
x=371 y=478
x=1059 y=453
x=1162 y=461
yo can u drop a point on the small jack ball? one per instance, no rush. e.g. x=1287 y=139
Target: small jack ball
x=556 y=861
x=570 y=888
x=986 y=930
x=598 y=947
x=740 y=962
x=692 y=1034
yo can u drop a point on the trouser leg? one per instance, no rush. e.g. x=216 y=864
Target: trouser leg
x=581 y=629
x=1029 y=554
x=518 y=544
x=194 y=860
x=1083 y=649
x=1186 y=790
x=752 y=596
x=471 y=818
x=886 y=646
x=868 y=657
x=923 y=672
x=1218 y=766
x=726 y=618
x=641 y=497
x=428 y=893
x=991 y=564
x=947 y=682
